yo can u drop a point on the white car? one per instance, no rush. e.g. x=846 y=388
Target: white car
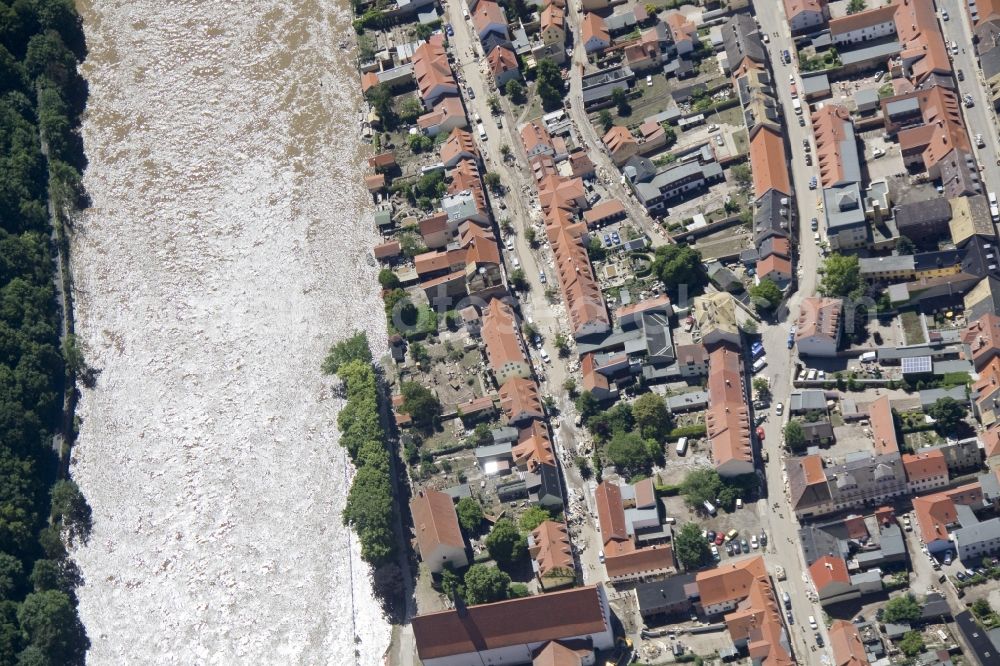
x=877 y=152
x=812 y=622
x=545 y=356
x=779 y=408
x=944 y=14
x=753 y=542
x=649 y=79
x=979 y=141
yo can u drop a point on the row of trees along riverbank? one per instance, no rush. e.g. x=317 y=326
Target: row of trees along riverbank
x=41 y=99
x=371 y=508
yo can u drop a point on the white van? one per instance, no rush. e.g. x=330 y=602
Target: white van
x=709 y=507
x=994 y=210
x=682 y=446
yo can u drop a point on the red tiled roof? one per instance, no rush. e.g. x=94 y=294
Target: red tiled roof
x=845 y=641
x=435 y=522
x=925 y=465
x=883 y=426
x=827 y=570
x=768 y=163
x=727 y=417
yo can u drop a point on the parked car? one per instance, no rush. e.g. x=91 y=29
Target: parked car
x=763 y=538
x=719 y=141
x=944 y=14
x=947 y=557
x=715 y=553
x=969 y=102
x=779 y=408
x=979 y=141
x=607 y=240
x=791 y=620
x=819 y=639
x=719 y=538
x=812 y=622
x=960 y=576
x=744 y=545
x=710 y=537
x=877 y=152
x=814 y=224
x=812 y=183
x=802 y=121
x=960 y=74
x=753 y=542
x=615 y=238
x=448 y=30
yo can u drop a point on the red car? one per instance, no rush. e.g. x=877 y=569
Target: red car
x=760 y=433
x=719 y=539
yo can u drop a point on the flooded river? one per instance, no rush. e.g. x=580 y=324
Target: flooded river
x=224 y=251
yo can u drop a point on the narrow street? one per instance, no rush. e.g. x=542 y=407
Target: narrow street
x=979 y=119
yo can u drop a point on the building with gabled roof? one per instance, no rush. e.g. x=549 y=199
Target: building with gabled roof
x=439 y=537
x=925 y=470
x=550 y=551
x=817 y=330
x=769 y=166
x=883 y=426
x=489 y=18
x=836 y=146
x=715 y=317
x=503 y=65
x=727 y=418
x=846 y=644
x=512 y=631
x=520 y=401
x=937 y=515
x=504 y=348
x=682 y=31
x=985 y=394
x=533 y=448
x=982 y=340
x=594 y=33
x=433 y=73
x=446 y=115
x=861 y=478
x=723 y=587
x=832 y=581
x=459 y=146
x=803 y=15
x=623 y=513
x=621 y=144
x=552 y=26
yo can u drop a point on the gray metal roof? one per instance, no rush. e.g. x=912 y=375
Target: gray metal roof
x=813 y=85
x=874 y=265
x=618 y=22
x=930 y=396
x=902 y=106
x=742 y=40
x=990 y=62
x=687 y=401
x=934 y=211
x=664 y=592
x=987 y=530
x=843 y=207
x=873 y=52
x=807 y=401
x=494 y=451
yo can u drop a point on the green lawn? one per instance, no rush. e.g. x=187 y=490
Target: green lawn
x=912 y=329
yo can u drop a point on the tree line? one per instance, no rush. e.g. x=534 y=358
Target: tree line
x=41 y=94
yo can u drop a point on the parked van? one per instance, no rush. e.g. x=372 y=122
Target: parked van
x=682 y=446
x=797 y=105
x=670 y=520
x=731 y=534
x=759 y=364
x=709 y=507
x=868 y=356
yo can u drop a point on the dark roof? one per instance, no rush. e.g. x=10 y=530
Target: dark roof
x=942 y=258
x=550 y=485
x=935 y=606
x=664 y=592
x=959 y=174
x=742 y=40
x=935 y=211
x=976 y=638
x=566 y=614
x=991 y=62
x=990 y=304
x=981 y=258
x=767 y=217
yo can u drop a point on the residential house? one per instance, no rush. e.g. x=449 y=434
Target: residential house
x=743 y=45
x=982 y=340
x=504 y=348
x=490 y=23
x=667 y=598
x=594 y=33
x=883 y=425
x=623 y=513
x=817 y=330
x=503 y=65
x=970 y=218
x=693 y=360
x=513 y=631
x=655 y=187
x=552 y=29
x=439 y=537
x=728 y=418
x=520 y=401
x=432 y=72
x=551 y=555
x=742 y=590
x=621 y=145
x=683 y=32
x=537 y=140
x=923 y=221
x=459 y=146
x=936 y=515
x=846 y=644
x=805 y=15
x=581 y=293
x=860 y=479
x=832 y=581
x=775 y=268
x=715 y=317
x=925 y=471
x=447 y=114
x=769 y=166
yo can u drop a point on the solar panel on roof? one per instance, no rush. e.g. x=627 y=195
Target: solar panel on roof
x=916 y=365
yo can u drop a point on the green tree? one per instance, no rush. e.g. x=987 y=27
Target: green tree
x=629 y=453
x=905 y=246
x=619 y=97
x=532 y=518
x=485 y=584
x=421 y=404
x=701 y=485
x=420 y=355
x=518 y=280
x=762 y=388
x=651 y=416
x=669 y=135
x=677 y=265
x=742 y=175
x=795 y=436
x=354 y=348
x=561 y=343
x=855 y=6
x=595 y=249
x=380 y=97
x=492 y=180
x=587 y=405
x=947 y=413
x=505 y=544
x=451 y=584
x=981 y=607
x=49 y=621
x=550 y=86
x=607 y=122
x=470 y=514
x=515 y=91
x=569 y=385
x=48 y=575
x=409 y=110
x=419 y=143
x=493 y=102
x=11 y=574
x=531 y=236
x=902 y=609
x=518 y=591
x=841 y=276
x=388 y=279
x=70 y=508
x=691 y=548
x=912 y=642
x=766 y=295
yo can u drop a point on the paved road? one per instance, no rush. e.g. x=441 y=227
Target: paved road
x=610 y=174
x=783 y=526
x=980 y=118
